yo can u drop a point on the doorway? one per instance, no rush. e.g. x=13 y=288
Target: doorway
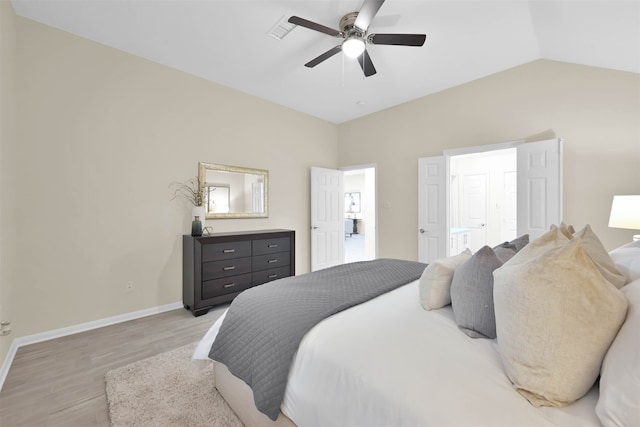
x=359 y=213
x=343 y=215
x=535 y=184
x=483 y=199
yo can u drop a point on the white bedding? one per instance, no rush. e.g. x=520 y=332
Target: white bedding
x=388 y=362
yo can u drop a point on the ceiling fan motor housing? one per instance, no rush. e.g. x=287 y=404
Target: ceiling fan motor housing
x=348 y=28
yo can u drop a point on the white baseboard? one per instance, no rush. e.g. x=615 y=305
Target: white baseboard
x=82 y=327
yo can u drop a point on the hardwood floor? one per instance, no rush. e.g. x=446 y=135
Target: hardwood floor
x=60 y=382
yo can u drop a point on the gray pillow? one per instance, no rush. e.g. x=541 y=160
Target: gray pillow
x=506 y=250
x=520 y=242
x=472 y=294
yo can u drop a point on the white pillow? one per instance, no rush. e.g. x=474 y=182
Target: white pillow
x=435 y=282
x=627 y=259
x=556 y=316
x=619 y=401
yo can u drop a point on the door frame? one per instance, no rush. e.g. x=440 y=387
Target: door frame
x=481 y=149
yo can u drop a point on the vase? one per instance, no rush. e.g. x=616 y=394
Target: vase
x=196 y=227
x=198 y=211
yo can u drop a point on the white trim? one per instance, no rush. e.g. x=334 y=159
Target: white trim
x=358 y=167
x=82 y=327
x=481 y=148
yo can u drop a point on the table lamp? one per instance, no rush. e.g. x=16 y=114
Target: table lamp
x=625 y=213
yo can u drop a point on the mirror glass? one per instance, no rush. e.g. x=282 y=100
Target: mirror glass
x=234 y=192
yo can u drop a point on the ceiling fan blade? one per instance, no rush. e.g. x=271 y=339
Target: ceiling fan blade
x=366 y=64
x=314 y=26
x=398 y=39
x=328 y=54
x=367 y=13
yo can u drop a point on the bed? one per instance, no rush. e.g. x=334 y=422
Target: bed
x=390 y=361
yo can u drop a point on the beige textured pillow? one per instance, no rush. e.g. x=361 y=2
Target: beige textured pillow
x=555 y=319
x=567 y=229
x=600 y=257
x=435 y=282
x=550 y=240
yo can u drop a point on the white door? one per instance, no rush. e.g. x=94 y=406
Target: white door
x=327 y=218
x=539 y=186
x=432 y=209
x=473 y=208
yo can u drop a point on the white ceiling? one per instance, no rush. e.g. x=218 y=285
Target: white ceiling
x=227 y=42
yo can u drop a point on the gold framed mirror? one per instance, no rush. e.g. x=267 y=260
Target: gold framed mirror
x=234 y=192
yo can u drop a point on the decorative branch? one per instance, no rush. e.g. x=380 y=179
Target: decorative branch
x=190 y=190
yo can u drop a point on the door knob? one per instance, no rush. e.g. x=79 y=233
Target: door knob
x=422 y=230
x=314 y=228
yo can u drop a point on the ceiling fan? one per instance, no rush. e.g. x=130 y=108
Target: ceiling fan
x=353 y=29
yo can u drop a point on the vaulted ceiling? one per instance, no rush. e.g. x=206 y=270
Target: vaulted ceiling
x=228 y=42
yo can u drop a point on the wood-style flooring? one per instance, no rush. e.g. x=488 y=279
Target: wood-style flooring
x=60 y=382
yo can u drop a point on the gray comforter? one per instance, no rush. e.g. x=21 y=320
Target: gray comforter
x=264 y=325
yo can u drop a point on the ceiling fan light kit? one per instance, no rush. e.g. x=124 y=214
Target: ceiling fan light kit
x=353 y=28
x=353 y=46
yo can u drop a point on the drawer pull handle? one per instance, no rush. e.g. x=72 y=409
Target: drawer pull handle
x=272 y=246
x=271 y=261
x=229 y=285
x=231 y=267
x=228 y=251
x=272 y=276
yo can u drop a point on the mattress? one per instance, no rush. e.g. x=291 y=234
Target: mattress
x=390 y=362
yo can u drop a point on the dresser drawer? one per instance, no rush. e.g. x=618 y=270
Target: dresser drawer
x=228 y=250
x=232 y=267
x=264 y=262
x=265 y=276
x=270 y=246
x=227 y=285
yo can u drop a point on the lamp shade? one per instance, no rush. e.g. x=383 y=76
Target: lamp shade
x=625 y=212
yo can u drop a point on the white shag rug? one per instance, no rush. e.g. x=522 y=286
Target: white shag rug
x=167 y=390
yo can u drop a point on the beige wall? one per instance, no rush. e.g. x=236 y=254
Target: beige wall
x=101 y=135
x=98 y=135
x=595 y=111
x=7 y=137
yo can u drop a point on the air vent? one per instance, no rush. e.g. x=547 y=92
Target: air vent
x=281 y=29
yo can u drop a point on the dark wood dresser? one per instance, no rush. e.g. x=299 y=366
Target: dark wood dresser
x=218 y=267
